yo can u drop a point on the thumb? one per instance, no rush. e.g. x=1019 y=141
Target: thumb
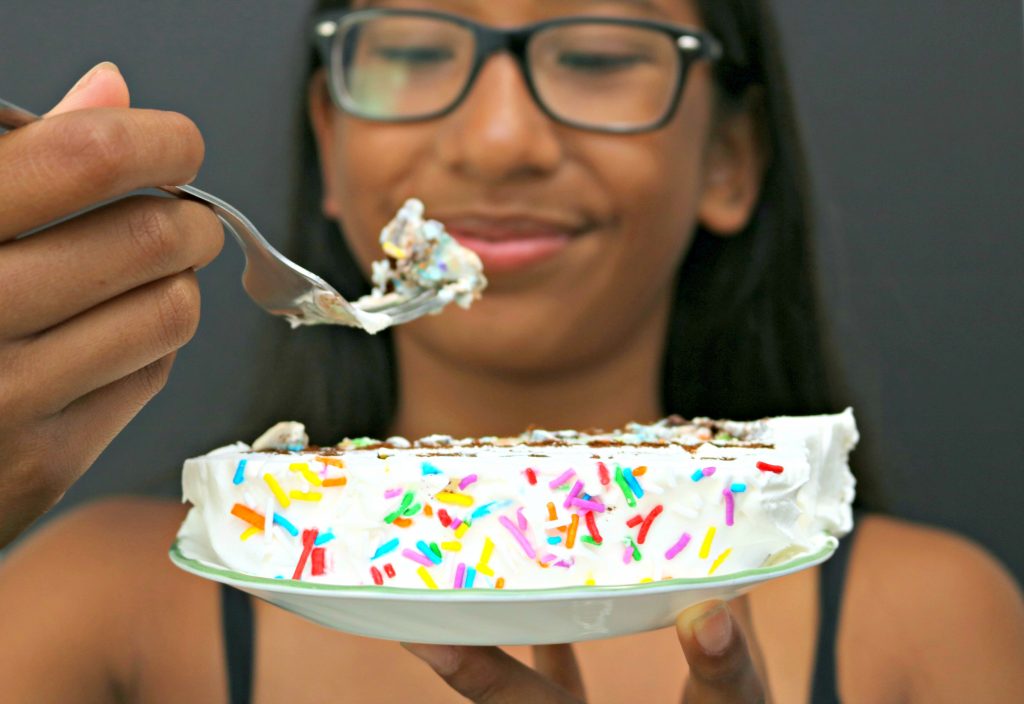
x=722 y=668
x=102 y=86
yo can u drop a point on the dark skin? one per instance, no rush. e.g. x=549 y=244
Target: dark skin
x=101 y=615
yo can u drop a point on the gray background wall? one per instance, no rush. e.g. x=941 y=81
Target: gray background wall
x=914 y=118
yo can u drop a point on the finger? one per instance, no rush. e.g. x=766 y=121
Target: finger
x=489 y=675
x=63 y=164
x=101 y=86
x=558 y=664
x=74 y=266
x=102 y=345
x=721 y=669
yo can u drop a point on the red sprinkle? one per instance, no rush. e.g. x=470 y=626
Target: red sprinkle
x=592 y=527
x=647 y=524
x=389 y=570
x=318 y=561
x=377 y=579
x=606 y=478
x=531 y=476
x=765 y=467
x=443 y=516
x=308 y=536
x=635 y=521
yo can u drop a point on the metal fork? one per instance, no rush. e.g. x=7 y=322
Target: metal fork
x=274 y=282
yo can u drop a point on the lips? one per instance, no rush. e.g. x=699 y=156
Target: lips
x=508 y=244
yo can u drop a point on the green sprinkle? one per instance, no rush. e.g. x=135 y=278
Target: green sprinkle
x=406 y=500
x=588 y=539
x=412 y=510
x=636 y=550
x=620 y=479
x=724 y=436
x=364 y=441
x=434 y=549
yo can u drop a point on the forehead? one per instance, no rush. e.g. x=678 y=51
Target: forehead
x=525 y=11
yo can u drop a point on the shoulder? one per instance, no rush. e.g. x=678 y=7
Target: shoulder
x=947 y=611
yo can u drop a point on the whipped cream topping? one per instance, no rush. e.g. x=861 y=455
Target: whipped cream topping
x=546 y=509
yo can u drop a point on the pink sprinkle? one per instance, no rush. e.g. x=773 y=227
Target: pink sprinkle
x=730 y=506
x=456 y=523
x=527 y=548
x=563 y=563
x=392 y=493
x=708 y=471
x=680 y=544
x=587 y=505
x=549 y=558
x=417 y=557
x=460 y=574
x=573 y=493
x=521 y=519
x=627 y=556
x=466 y=481
x=562 y=478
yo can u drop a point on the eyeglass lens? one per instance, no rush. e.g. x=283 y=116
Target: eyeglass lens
x=592 y=74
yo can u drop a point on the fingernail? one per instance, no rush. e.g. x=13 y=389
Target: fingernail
x=443 y=659
x=92 y=73
x=713 y=630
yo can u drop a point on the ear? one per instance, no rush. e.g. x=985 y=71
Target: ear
x=734 y=166
x=321 y=115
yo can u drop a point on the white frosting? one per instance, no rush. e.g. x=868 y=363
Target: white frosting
x=777 y=516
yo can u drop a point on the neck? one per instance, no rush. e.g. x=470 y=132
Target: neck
x=440 y=395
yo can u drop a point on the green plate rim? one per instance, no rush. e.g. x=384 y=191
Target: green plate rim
x=194 y=565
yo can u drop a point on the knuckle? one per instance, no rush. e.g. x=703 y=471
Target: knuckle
x=178 y=310
x=98 y=147
x=152 y=378
x=152 y=235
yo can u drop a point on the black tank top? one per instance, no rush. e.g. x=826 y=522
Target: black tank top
x=236 y=610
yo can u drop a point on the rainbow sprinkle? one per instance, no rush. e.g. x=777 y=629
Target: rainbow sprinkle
x=286 y=524
x=574 y=523
x=384 y=549
x=406 y=501
x=730 y=506
x=683 y=541
x=470 y=578
x=240 y=472
x=428 y=468
x=279 y=494
x=573 y=493
x=520 y=538
x=589 y=505
x=303 y=469
x=249 y=532
x=335 y=481
x=634 y=485
x=392 y=493
x=325 y=537
x=425 y=576
x=426 y=550
x=718 y=561
x=447 y=497
x=460 y=574
x=647 y=523
x=248 y=515
x=308 y=537
x=562 y=478
x=466 y=481
x=738 y=487
x=305 y=495
x=521 y=519
x=624 y=486
x=773 y=468
x=705 y=547
x=417 y=557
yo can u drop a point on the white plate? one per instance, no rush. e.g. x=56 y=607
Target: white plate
x=495 y=616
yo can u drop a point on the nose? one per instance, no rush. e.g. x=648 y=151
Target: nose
x=499 y=132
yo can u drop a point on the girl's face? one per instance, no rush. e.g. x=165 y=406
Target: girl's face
x=580 y=232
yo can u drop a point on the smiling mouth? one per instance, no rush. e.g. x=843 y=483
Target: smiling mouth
x=512 y=243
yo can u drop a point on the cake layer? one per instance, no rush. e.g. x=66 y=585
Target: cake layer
x=672 y=499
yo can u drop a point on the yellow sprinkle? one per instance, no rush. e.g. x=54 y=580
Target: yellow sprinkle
x=590 y=581
x=278 y=491
x=452 y=545
x=393 y=251
x=706 y=547
x=447 y=497
x=718 y=561
x=461 y=530
x=425 y=576
x=306 y=472
x=305 y=495
x=249 y=532
x=485 y=556
x=645 y=580
x=485 y=569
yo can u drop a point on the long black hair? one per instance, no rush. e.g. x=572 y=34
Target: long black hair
x=746 y=337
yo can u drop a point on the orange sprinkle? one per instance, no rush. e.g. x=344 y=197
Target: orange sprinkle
x=574 y=523
x=552 y=514
x=640 y=471
x=336 y=481
x=335 y=462
x=248 y=515
x=402 y=522
x=428 y=511
x=500 y=584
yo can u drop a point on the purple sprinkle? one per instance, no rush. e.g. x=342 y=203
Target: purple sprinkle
x=527 y=548
x=680 y=544
x=467 y=480
x=562 y=478
x=392 y=493
x=521 y=519
x=586 y=505
x=547 y=559
x=708 y=471
x=627 y=556
x=456 y=523
x=564 y=563
x=730 y=506
x=417 y=557
x=460 y=573
x=576 y=488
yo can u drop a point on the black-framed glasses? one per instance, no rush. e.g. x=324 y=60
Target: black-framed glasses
x=607 y=74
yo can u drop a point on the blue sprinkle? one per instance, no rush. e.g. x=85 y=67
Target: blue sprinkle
x=697 y=476
x=482 y=510
x=285 y=523
x=429 y=469
x=425 y=549
x=633 y=483
x=240 y=472
x=554 y=540
x=324 y=538
x=385 y=548
x=296 y=448
x=738 y=488
x=278 y=576
x=470 y=576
